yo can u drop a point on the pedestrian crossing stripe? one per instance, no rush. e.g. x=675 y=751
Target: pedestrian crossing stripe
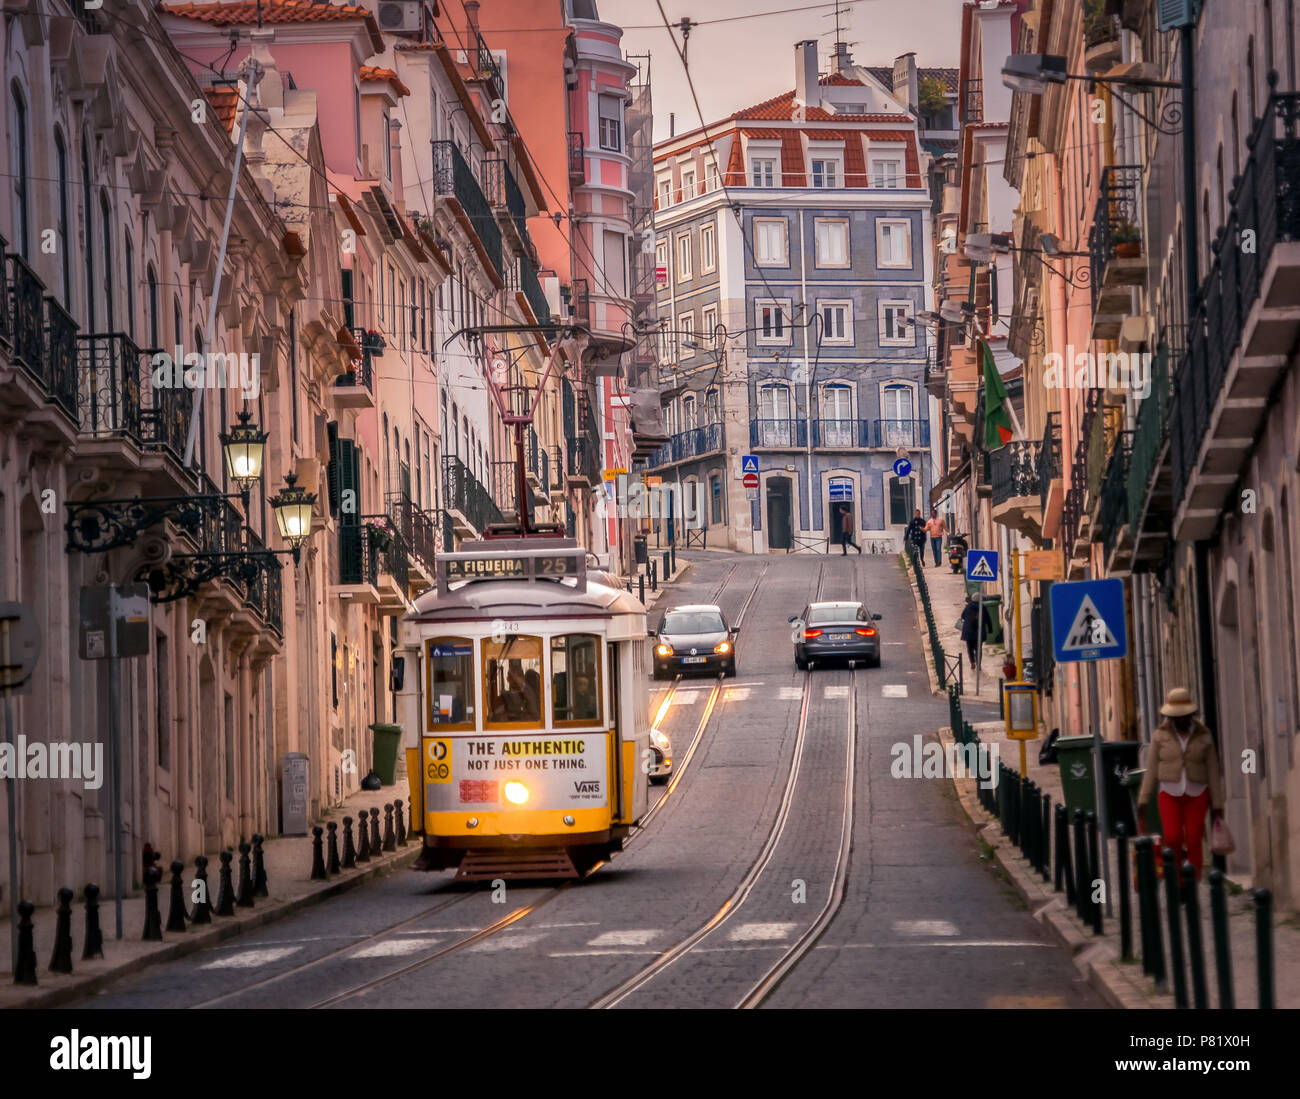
x=981 y=570
x=1088 y=630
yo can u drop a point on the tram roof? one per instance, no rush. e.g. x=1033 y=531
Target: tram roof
x=520 y=598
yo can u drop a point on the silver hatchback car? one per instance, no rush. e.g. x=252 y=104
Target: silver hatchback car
x=835 y=631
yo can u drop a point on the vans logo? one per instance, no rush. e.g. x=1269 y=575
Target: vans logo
x=589 y=786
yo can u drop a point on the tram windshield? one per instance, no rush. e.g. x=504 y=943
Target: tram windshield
x=512 y=681
x=451 y=682
x=575 y=679
x=690 y=622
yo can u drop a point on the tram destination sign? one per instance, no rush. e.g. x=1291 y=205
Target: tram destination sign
x=519 y=560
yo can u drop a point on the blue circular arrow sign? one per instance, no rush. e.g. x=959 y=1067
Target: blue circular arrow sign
x=902 y=467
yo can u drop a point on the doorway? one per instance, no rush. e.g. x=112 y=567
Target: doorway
x=780 y=533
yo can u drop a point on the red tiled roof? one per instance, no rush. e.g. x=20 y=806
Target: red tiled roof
x=792 y=173
x=764 y=135
x=370 y=72
x=947 y=77
x=781 y=109
x=840 y=79
x=245 y=13
x=225 y=101
x=735 y=175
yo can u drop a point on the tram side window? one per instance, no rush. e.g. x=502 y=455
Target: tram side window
x=575 y=679
x=450 y=662
x=512 y=682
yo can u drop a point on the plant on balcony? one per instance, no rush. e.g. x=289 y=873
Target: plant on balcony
x=1127 y=239
x=373 y=341
x=381 y=536
x=1098 y=25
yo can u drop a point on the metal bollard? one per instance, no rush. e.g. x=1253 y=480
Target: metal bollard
x=349 y=851
x=640 y=586
x=94 y=947
x=390 y=837
x=363 y=837
x=244 y=896
x=375 y=846
x=176 y=914
x=654 y=575
x=1264 y=946
x=1153 y=951
x=673 y=550
x=25 y=967
x=259 y=868
x=1064 y=879
x=152 y=916
x=61 y=958
x=1094 y=870
x=226 y=889
x=1175 y=927
x=667 y=567
x=1219 y=925
x=400 y=814
x=202 y=906
x=318 y=855
x=1125 y=907
x=1195 y=949
x=1081 y=871
x=332 y=863
x=1045 y=836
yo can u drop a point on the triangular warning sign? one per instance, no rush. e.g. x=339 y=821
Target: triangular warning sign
x=982 y=570
x=1088 y=630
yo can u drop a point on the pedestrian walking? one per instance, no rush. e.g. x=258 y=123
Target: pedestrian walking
x=936 y=528
x=916 y=537
x=846 y=530
x=1183 y=762
x=974 y=626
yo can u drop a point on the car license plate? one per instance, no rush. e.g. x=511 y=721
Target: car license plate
x=693 y=660
x=840 y=636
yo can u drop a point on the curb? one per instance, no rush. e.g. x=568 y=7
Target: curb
x=76 y=989
x=1095 y=958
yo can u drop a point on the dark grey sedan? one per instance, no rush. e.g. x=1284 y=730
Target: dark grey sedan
x=835 y=631
x=695 y=638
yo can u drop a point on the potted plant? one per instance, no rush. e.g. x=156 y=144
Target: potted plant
x=1098 y=24
x=373 y=342
x=1127 y=240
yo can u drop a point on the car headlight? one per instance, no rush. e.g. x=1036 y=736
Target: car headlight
x=516 y=793
x=723 y=648
x=659 y=740
x=663 y=650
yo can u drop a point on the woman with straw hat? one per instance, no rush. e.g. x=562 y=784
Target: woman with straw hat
x=1183 y=760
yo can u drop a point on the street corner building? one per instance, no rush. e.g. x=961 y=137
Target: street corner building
x=294 y=299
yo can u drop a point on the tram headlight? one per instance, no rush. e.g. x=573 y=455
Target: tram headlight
x=663 y=650
x=660 y=741
x=723 y=648
x=516 y=793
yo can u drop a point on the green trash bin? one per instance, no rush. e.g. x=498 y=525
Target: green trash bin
x=1133 y=780
x=1074 y=754
x=387 y=743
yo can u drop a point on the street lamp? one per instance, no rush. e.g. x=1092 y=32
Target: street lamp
x=243 y=447
x=1033 y=73
x=293 y=513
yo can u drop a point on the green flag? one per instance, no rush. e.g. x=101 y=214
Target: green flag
x=997 y=422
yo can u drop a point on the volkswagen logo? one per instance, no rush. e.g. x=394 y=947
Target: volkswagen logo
x=694 y=651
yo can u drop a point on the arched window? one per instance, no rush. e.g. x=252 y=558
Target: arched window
x=712 y=411
x=106 y=227
x=774 y=415
x=87 y=217
x=65 y=233
x=898 y=423
x=151 y=284
x=837 y=415
x=688 y=412
x=20 y=162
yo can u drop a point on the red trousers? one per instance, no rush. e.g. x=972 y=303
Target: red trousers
x=1183 y=821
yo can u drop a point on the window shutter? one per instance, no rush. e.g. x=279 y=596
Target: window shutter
x=332 y=478
x=348 y=477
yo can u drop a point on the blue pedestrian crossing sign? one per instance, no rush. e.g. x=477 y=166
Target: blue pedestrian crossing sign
x=749 y=463
x=982 y=565
x=1088 y=621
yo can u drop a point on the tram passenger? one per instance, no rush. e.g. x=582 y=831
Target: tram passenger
x=584 y=699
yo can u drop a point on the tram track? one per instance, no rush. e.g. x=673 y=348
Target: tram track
x=512 y=918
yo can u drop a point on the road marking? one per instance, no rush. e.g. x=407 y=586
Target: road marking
x=394 y=948
x=686 y=698
x=997 y=943
x=760 y=932
x=637 y=937
x=735 y=694
x=602 y=953
x=894 y=690
x=895 y=642
x=253 y=959
x=518 y=941
x=1024 y=1001
x=925 y=927
x=791 y=694
x=836 y=692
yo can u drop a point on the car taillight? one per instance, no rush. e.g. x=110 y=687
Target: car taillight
x=812 y=633
x=870 y=631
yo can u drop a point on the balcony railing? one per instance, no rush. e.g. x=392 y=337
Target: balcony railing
x=362 y=372
x=584 y=448
x=453 y=176
x=1097 y=455
x=905 y=433
x=581 y=302
x=1014 y=470
x=263 y=593
x=504 y=194
x=557 y=468
x=1115 y=229
x=358 y=561
x=1149 y=436
x=577 y=157
x=531 y=286
x=27 y=327
x=1114 y=491
x=110 y=367
x=414 y=526
x=463 y=492
x=1264 y=203
x=1049 y=457
x=691 y=443
x=778 y=434
x=6 y=314
x=973 y=101
x=394 y=560
x=61 y=349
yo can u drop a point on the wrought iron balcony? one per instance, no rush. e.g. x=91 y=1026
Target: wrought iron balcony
x=6 y=313
x=581 y=303
x=584 y=449
x=972 y=100
x=1113 y=517
x=1014 y=471
x=912 y=434
x=838 y=434
x=110 y=367
x=464 y=493
x=61 y=349
x=692 y=443
x=1149 y=505
x=453 y=177
x=1115 y=248
x=358 y=561
x=1049 y=459
x=1244 y=305
x=416 y=529
x=27 y=330
x=1097 y=454
x=577 y=157
x=531 y=286
x=778 y=434
x=264 y=590
x=506 y=198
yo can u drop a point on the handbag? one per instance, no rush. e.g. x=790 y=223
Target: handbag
x=1221 y=841
x=957 y=627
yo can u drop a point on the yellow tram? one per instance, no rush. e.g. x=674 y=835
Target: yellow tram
x=524 y=702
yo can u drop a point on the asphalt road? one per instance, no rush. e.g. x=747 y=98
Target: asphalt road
x=745 y=860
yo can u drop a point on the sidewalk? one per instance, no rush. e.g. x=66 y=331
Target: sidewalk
x=288 y=862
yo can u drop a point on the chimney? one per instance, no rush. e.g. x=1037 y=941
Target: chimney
x=907 y=89
x=806 y=89
x=471 y=23
x=672 y=124
x=841 y=61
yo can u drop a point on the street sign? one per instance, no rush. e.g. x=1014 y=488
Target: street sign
x=652 y=482
x=841 y=489
x=1020 y=704
x=20 y=646
x=613 y=474
x=1043 y=565
x=1088 y=621
x=749 y=463
x=129 y=607
x=982 y=565
x=751 y=480
x=751 y=494
x=902 y=467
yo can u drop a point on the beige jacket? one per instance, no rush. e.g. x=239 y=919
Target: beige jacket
x=1166 y=761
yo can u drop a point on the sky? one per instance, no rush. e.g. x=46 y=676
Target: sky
x=735 y=64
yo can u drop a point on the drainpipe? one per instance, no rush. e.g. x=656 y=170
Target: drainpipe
x=807 y=376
